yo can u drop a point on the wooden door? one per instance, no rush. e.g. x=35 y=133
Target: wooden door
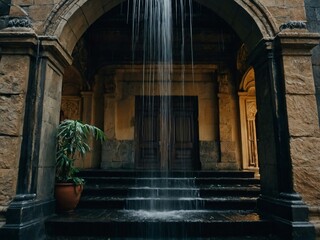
x=147 y=134
x=185 y=153
x=169 y=145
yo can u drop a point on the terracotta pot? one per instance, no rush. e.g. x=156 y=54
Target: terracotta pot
x=67 y=196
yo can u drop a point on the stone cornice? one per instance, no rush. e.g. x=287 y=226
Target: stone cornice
x=27 y=42
x=297 y=41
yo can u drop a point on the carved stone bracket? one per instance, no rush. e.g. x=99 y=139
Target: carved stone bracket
x=293 y=25
x=20 y=22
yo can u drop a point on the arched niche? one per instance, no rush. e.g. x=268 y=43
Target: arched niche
x=248 y=111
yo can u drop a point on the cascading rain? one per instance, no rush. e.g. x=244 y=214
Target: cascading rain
x=159 y=26
x=153 y=21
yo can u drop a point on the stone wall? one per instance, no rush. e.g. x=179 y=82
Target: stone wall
x=122 y=85
x=285 y=11
x=311 y=157
x=14 y=71
x=313 y=24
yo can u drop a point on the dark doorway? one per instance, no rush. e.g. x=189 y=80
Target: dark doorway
x=167 y=142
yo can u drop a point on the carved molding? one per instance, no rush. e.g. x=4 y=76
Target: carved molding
x=20 y=22
x=293 y=25
x=251 y=110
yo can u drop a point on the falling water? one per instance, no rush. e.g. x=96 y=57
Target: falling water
x=153 y=24
x=160 y=26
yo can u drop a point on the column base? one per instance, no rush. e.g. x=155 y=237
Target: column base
x=290 y=216
x=25 y=218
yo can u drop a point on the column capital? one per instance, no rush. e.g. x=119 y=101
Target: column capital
x=27 y=42
x=296 y=42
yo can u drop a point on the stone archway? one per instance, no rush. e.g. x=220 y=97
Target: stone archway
x=279 y=112
x=64 y=22
x=256 y=27
x=69 y=22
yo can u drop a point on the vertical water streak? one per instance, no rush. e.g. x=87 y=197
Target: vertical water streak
x=152 y=28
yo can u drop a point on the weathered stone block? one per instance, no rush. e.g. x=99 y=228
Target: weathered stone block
x=298 y=75
x=117 y=154
x=302 y=115
x=225 y=132
x=11 y=114
x=14 y=73
x=9 y=152
x=92 y=10
x=209 y=152
x=305 y=151
x=40 y=12
x=45 y=186
x=306 y=182
x=8 y=179
x=24 y=2
x=67 y=36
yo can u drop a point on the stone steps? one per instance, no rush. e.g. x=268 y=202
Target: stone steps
x=158 y=205
x=130 y=224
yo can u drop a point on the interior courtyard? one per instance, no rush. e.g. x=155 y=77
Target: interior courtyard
x=238 y=92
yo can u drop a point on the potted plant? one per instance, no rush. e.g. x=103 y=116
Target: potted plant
x=72 y=143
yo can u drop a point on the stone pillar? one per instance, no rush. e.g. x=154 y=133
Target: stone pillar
x=87 y=112
x=281 y=88
x=301 y=110
x=109 y=147
x=228 y=158
x=15 y=65
x=32 y=70
x=87 y=103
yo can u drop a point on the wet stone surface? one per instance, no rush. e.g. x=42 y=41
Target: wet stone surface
x=158 y=216
x=271 y=237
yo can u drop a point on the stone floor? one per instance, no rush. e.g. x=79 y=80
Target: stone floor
x=117 y=217
x=158 y=216
x=215 y=238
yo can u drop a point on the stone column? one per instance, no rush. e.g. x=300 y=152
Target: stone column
x=87 y=107
x=110 y=146
x=15 y=65
x=87 y=112
x=226 y=124
x=282 y=120
x=32 y=70
x=301 y=110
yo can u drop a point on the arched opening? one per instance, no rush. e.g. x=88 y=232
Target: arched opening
x=248 y=111
x=225 y=137
x=114 y=82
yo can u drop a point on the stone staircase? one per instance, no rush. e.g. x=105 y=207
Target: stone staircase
x=158 y=205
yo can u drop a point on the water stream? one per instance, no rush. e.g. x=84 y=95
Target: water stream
x=160 y=25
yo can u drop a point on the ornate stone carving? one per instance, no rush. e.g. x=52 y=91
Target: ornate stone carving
x=71 y=108
x=251 y=131
x=293 y=25
x=20 y=22
x=251 y=111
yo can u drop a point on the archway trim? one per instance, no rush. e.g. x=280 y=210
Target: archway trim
x=70 y=19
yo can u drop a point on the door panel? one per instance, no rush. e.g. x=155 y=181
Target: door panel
x=177 y=150
x=185 y=134
x=148 y=149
